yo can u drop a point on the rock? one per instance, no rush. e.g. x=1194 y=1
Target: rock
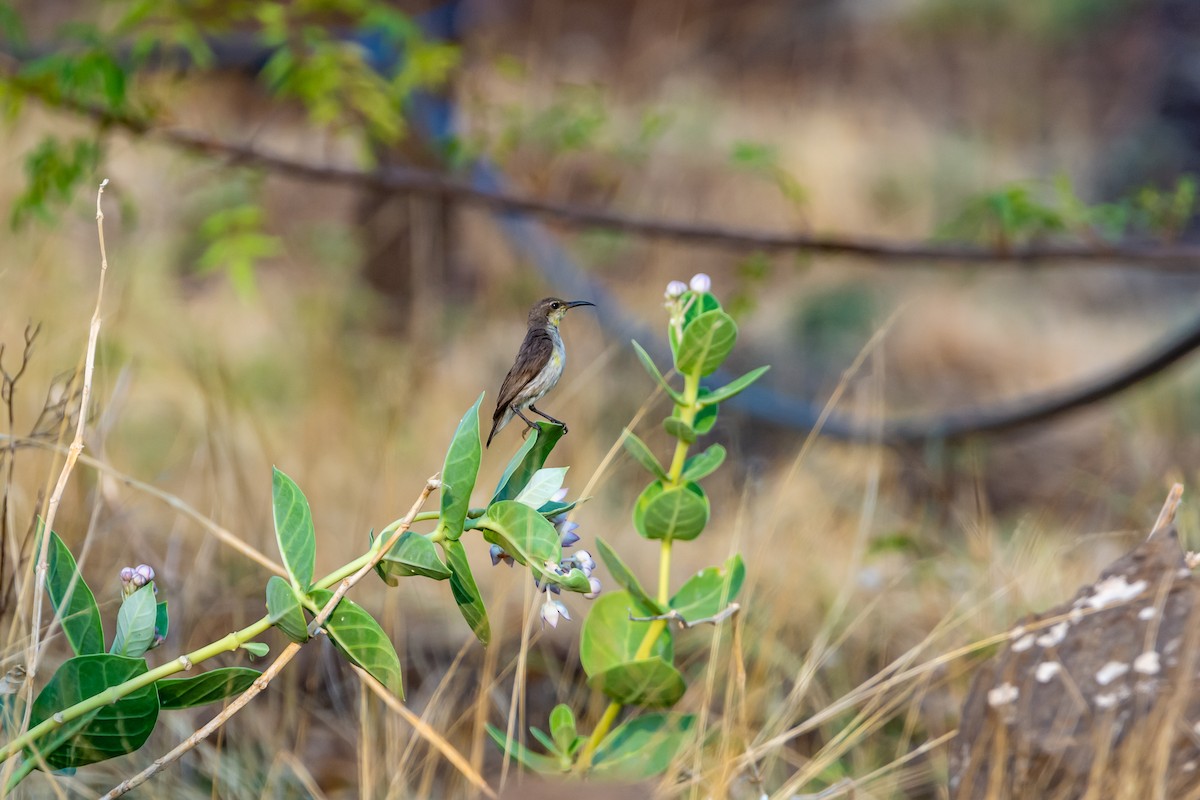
x=1095 y=698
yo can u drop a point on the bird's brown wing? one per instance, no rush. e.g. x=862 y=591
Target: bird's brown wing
x=534 y=354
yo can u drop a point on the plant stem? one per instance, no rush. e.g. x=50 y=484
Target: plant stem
x=686 y=411
x=225 y=644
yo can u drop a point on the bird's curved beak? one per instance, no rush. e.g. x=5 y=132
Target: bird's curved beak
x=577 y=303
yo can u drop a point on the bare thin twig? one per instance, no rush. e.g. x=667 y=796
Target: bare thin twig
x=1169 y=509
x=425 y=731
x=289 y=652
x=674 y=616
x=33 y=652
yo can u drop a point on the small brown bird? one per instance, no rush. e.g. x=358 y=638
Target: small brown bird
x=538 y=367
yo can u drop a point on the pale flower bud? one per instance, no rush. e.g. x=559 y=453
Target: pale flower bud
x=701 y=283
x=675 y=289
x=553 y=609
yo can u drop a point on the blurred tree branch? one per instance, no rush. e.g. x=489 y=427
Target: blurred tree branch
x=1165 y=257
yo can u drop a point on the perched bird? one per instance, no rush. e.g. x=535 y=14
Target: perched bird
x=538 y=367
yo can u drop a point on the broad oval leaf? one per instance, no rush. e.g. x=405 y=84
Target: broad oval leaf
x=412 y=555
x=694 y=305
x=671 y=513
x=709 y=591
x=643 y=747
x=525 y=534
x=529 y=459
x=648 y=682
x=294 y=529
x=459 y=472
x=117 y=728
x=284 y=611
x=205 y=688
x=704 y=464
x=641 y=453
x=562 y=727
x=359 y=638
x=706 y=343
x=610 y=638
x=625 y=578
x=135 y=623
x=679 y=429
x=732 y=388
x=652 y=368
x=542 y=486
x=73 y=600
x=466 y=593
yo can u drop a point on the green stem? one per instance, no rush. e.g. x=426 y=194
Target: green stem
x=686 y=411
x=225 y=644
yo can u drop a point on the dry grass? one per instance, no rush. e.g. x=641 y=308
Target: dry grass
x=875 y=578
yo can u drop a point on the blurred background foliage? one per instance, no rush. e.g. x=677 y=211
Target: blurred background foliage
x=337 y=330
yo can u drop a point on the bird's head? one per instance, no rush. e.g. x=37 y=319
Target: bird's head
x=551 y=310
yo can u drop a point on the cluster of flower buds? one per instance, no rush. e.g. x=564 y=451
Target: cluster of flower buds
x=134 y=578
x=700 y=284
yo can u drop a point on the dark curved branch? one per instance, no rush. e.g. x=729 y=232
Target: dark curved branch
x=759 y=401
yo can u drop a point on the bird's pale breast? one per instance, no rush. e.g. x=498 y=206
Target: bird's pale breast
x=545 y=380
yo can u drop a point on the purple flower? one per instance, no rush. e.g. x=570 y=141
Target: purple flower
x=497 y=553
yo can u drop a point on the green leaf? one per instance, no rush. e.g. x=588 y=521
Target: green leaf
x=524 y=534
x=208 y=687
x=256 y=649
x=135 y=623
x=161 y=623
x=642 y=747
x=610 y=638
x=73 y=602
x=652 y=368
x=710 y=590
x=680 y=429
x=562 y=727
x=694 y=305
x=542 y=486
x=706 y=416
x=284 y=611
x=466 y=593
x=524 y=756
x=641 y=453
x=733 y=387
x=650 y=682
x=545 y=740
x=706 y=343
x=118 y=728
x=704 y=464
x=528 y=460
x=413 y=554
x=459 y=473
x=676 y=513
x=359 y=638
x=294 y=530
x=625 y=578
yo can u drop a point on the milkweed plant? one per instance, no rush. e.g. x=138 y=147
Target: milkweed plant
x=105 y=700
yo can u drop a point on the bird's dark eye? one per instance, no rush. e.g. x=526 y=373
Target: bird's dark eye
x=555 y=305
